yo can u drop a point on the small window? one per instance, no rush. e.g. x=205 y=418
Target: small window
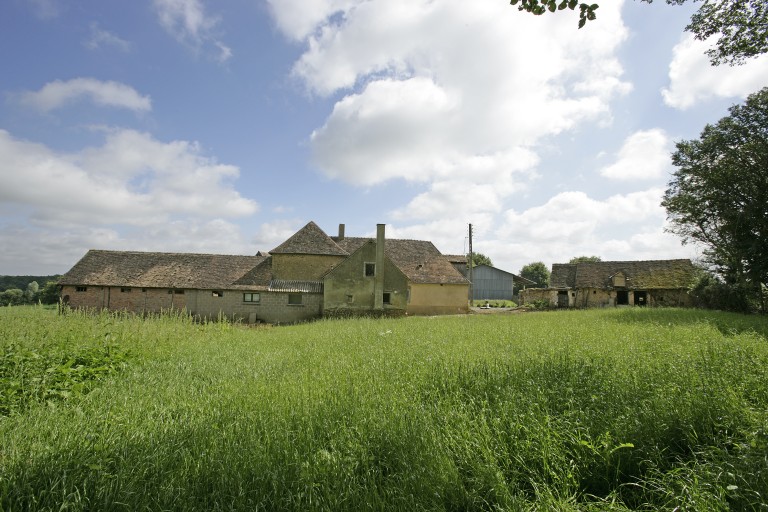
x=81 y=288
x=350 y=298
x=143 y=289
x=177 y=292
x=217 y=293
x=125 y=290
x=387 y=298
x=294 y=299
x=251 y=297
x=370 y=269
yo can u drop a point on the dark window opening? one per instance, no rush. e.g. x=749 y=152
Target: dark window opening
x=387 y=298
x=294 y=299
x=125 y=290
x=217 y=293
x=350 y=299
x=622 y=298
x=641 y=298
x=370 y=269
x=81 y=288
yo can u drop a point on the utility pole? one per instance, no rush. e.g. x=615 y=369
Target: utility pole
x=469 y=266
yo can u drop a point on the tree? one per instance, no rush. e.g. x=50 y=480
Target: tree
x=585 y=259
x=718 y=195
x=742 y=25
x=536 y=272
x=49 y=293
x=11 y=297
x=479 y=258
x=30 y=294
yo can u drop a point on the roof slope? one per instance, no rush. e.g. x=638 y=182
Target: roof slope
x=158 y=269
x=310 y=240
x=419 y=260
x=650 y=274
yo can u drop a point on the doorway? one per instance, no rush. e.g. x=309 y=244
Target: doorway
x=641 y=298
x=562 y=299
x=622 y=298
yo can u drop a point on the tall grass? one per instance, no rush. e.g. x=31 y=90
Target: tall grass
x=633 y=409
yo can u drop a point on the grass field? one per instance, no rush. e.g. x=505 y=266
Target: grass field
x=621 y=409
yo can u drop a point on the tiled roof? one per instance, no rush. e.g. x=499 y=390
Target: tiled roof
x=651 y=274
x=309 y=240
x=419 y=260
x=158 y=270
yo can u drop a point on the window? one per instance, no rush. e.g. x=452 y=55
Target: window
x=125 y=290
x=177 y=292
x=81 y=288
x=251 y=297
x=217 y=293
x=294 y=299
x=350 y=298
x=370 y=269
x=387 y=298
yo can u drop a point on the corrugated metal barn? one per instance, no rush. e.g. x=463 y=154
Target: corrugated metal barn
x=491 y=283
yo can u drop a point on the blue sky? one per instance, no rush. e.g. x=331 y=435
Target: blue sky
x=223 y=127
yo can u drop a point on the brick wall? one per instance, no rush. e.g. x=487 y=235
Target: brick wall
x=116 y=298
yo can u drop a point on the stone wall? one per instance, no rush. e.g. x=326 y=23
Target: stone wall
x=303 y=267
x=348 y=290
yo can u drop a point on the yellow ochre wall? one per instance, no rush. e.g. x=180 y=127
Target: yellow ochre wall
x=438 y=299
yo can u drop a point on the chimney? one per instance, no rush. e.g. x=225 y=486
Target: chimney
x=341 y=232
x=378 y=280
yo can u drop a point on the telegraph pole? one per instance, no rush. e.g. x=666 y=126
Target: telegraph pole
x=469 y=265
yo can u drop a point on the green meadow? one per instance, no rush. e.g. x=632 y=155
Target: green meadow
x=620 y=409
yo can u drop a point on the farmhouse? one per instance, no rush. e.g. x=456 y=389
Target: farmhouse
x=617 y=283
x=308 y=276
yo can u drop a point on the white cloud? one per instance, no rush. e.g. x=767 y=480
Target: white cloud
x=430 y=88
x=45 y=9
x=645 y=155
x=100 y=38
x=58 y=93
x=187 y=21
x=298 y=19
x=132 y=180
x=692 y=79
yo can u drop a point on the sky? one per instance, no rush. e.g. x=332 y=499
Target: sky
x=225 y=126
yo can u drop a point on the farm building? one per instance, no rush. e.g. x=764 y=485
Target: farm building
x=617 y=283
x=308 y=276
x=491 y=283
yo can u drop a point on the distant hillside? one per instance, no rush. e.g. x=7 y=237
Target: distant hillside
x=21 y=282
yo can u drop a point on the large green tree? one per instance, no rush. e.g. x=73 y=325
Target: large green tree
x=718 y=197
x=479 y=258
x=741 y=25
x=536 y=272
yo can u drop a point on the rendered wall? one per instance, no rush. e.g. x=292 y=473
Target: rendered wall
x=348 y=279
x=303 y=267
x=272 y=307
x=438 y=299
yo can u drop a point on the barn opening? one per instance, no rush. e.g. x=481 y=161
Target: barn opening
x=622 y=298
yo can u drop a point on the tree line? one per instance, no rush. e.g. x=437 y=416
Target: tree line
x=19 y=290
